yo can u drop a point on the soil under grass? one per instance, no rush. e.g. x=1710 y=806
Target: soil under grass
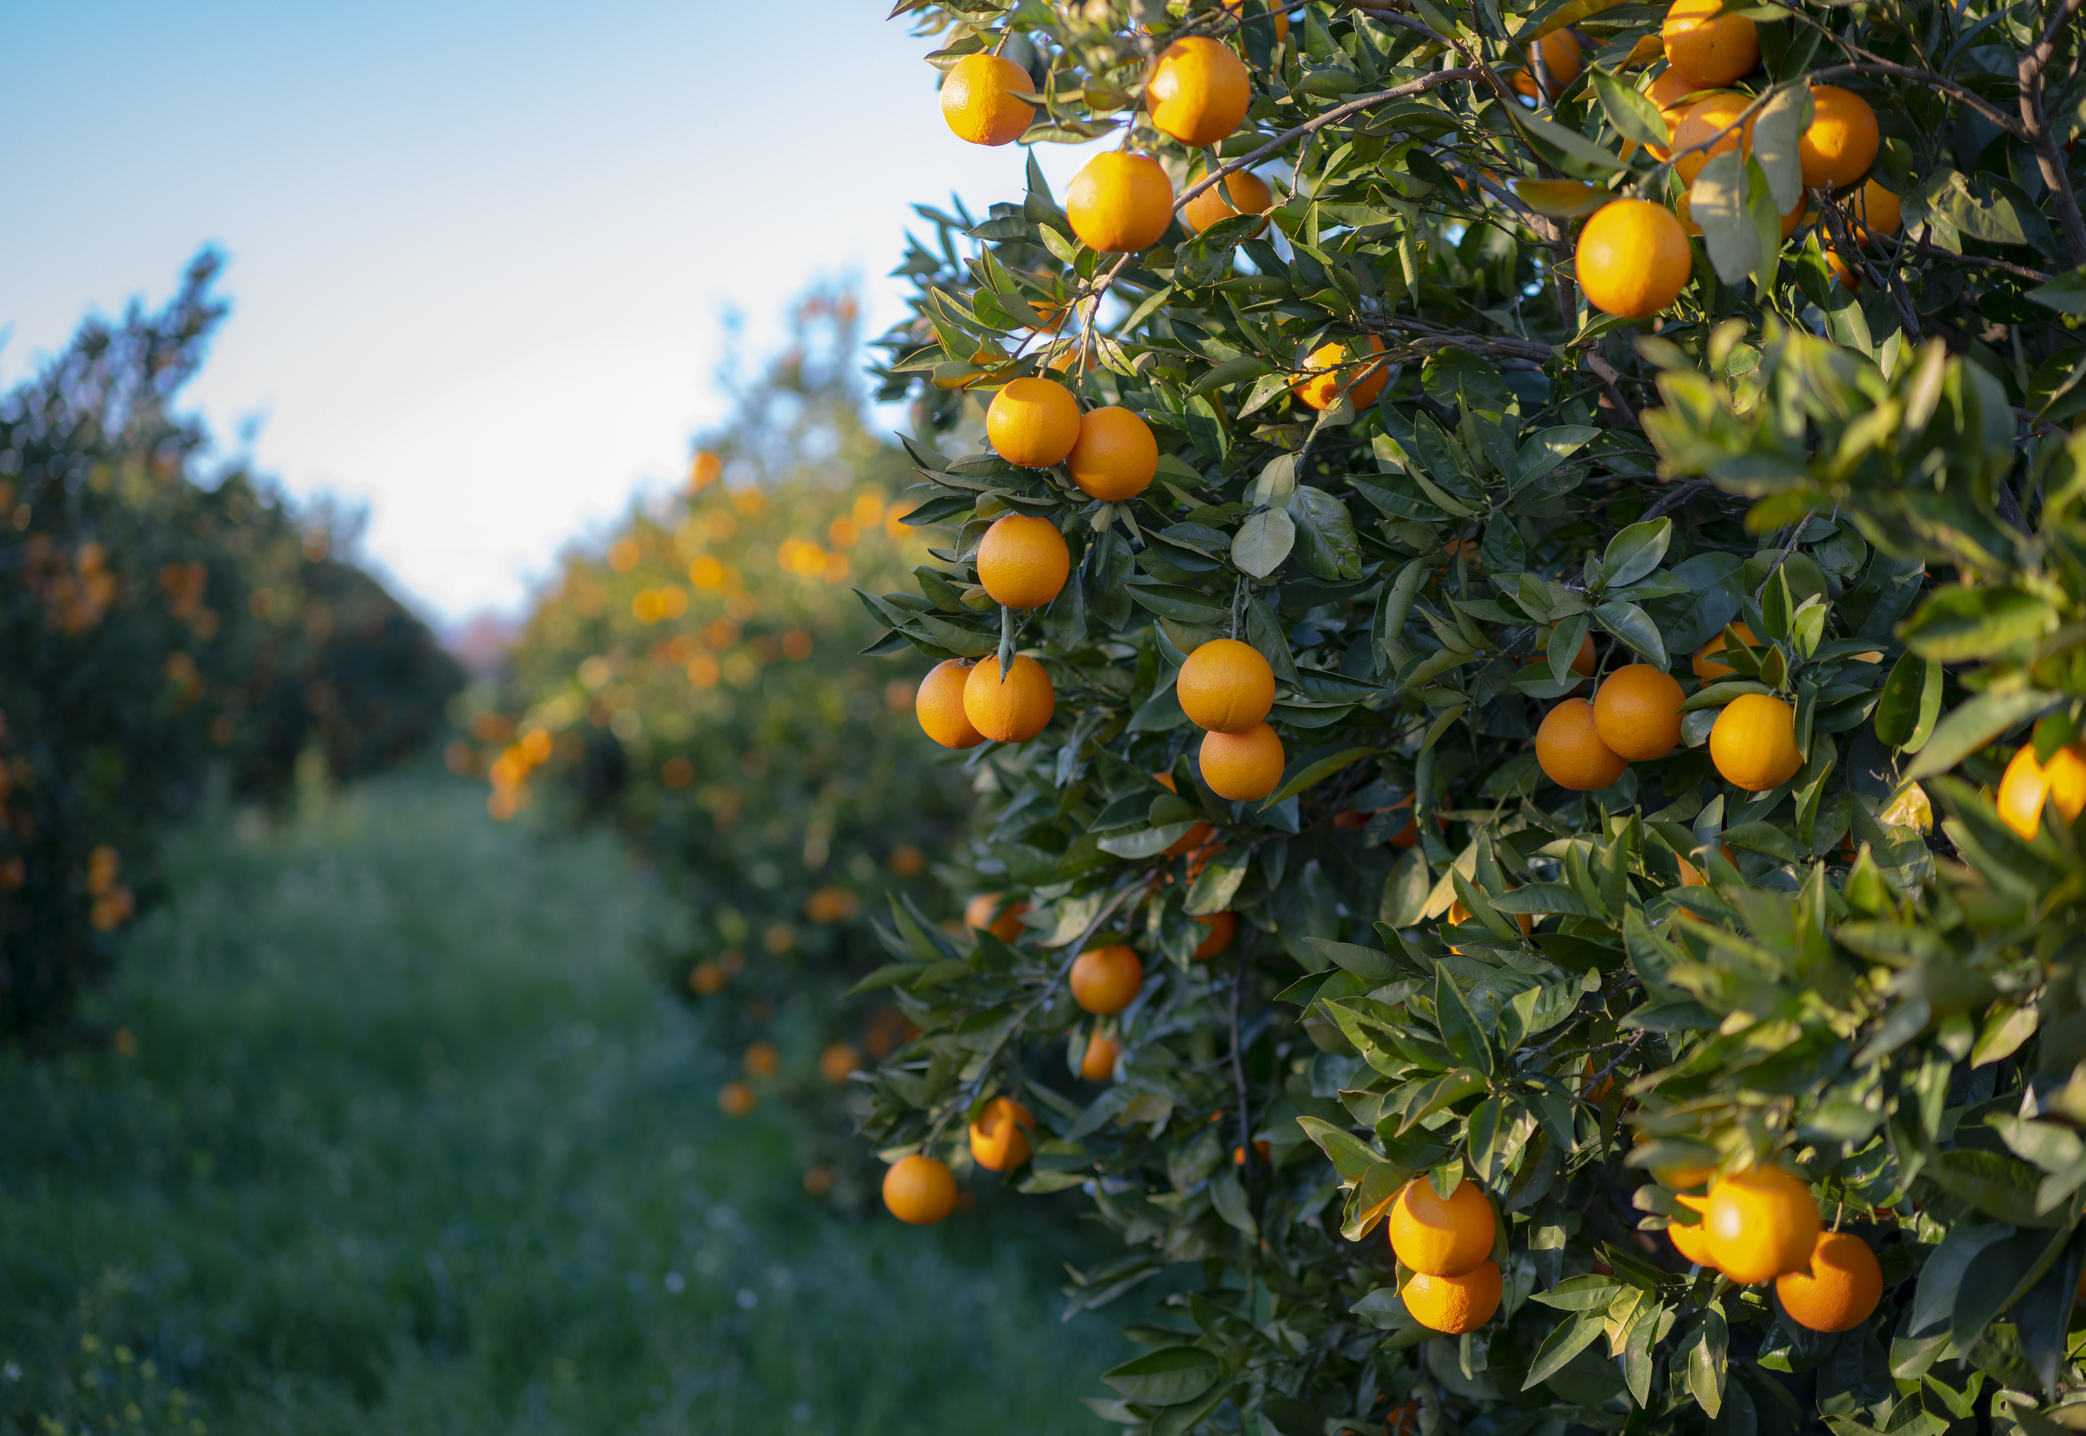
x=412 y=1142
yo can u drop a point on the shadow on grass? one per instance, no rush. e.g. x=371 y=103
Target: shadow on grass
x=411 y=1143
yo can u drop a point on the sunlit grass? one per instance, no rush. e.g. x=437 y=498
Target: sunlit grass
x=411 y=1142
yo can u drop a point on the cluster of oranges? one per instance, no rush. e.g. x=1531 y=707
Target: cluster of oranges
x=1635 y=717
x=1105 y=981
x=1762 y=1225
x=111 y=903
x=1632 y=257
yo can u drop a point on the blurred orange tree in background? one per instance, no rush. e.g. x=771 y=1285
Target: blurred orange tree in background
x=166 y=632
x=695 y=680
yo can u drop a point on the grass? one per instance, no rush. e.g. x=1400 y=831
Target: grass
x=411 y=1142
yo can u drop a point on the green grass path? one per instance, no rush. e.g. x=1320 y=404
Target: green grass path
x=411 y=1142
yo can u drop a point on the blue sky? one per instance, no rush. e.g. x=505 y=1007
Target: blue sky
x=480 y=253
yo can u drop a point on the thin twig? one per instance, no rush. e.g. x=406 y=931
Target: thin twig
x=1612 y=382
x=1675 y=496
x=1238 y=1057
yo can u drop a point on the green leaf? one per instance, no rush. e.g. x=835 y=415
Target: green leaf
x=1350 y=1155
x=1777 y=128
x=1959 y=623
x=1631 y=112
x=1565 y=1341
x=1218 y=883
x=1460 y=1028
x=1361 y=961
x=1263 y=541
x=1973 y=725
x=1717 y=203
x=1147 y=844
x=1182 y=605
x=1634 y=627
x=1166 y=1377
x=1314 y=771
x=2066 y=294
x=1897 y=712
x=1325 y=534
x=1635 y=552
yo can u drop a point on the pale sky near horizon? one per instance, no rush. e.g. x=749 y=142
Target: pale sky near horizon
x=480 y=255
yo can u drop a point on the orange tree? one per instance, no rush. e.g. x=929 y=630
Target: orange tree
x=694 y=681
x=164 y=634
x=1497 y=525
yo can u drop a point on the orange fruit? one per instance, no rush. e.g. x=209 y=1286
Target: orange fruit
x=1223 y=926
x=1332 y=373
x=1023 y=561
x=1120 y=203
x=1842 y=141
x=1107 y=979
x=736 y=1099
x=1241 y=193
x=1708 y=669
x=1754 y=742
x=1582 y=663
x=1226 y=686
x=1033 y=423
x=1877 y=210
x=998 y=1143
x=939 y=706
x=762 y=1060
x=1848 y=276
x=1242 y=766
x=1759 y=1224
x=1633 y=258
x=1561 y=61
x=1691 y=1242
x=1842 y=1287
x=1569 y=749
x=978 y=915
x=1709 y=116
x=2027 y=782
x=1097 y=1064
x=1115 y=456
x=919 y=1190
x=1195 y=837
x=1441 y=1238
x=1010 y=712
x=1670 y=92
x=1637 y=712
x=1454 y=1304
x=1198 y=91
x=1710 y=48
x=976 y=104
x=837 y=1061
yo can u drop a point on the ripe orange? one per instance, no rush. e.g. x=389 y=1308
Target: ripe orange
x=1709 y=116
x=1226 y=686
x=1570 y=750
x=837 y=1061
x=1115 y=456
x=1454 y=1304
x=1842 y=141
x=1097 y=1064
x=976 y=104
x=1877 y=211
x=1195 y=837
x=1199 y=91
x=736 y=1099
x=1848 y=276
x=1333 y=373
x=2027 y=782
x=1441 y=1238
x=939 y=706
x=1560 y=58
x=762 y=1060
x=1842 y=1287
x=1637 y=712
x=1760 y=1224
x=998 y=1143
x=1010 y=712
x=978 y=914
x=1754 y=742
x=1241 y=193
x=919 y=1190
x=1107 y=979
x=1237 y=7
x=1633 y=258
x=1670 y=92
x=1691 y=1242
x=1033 y=423
x=1120 y=203
x=1710 y=48
x=1023 y=561
x=1708 y=669
x=1582 y=662
x=1242 y=766
x=1223 y=926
